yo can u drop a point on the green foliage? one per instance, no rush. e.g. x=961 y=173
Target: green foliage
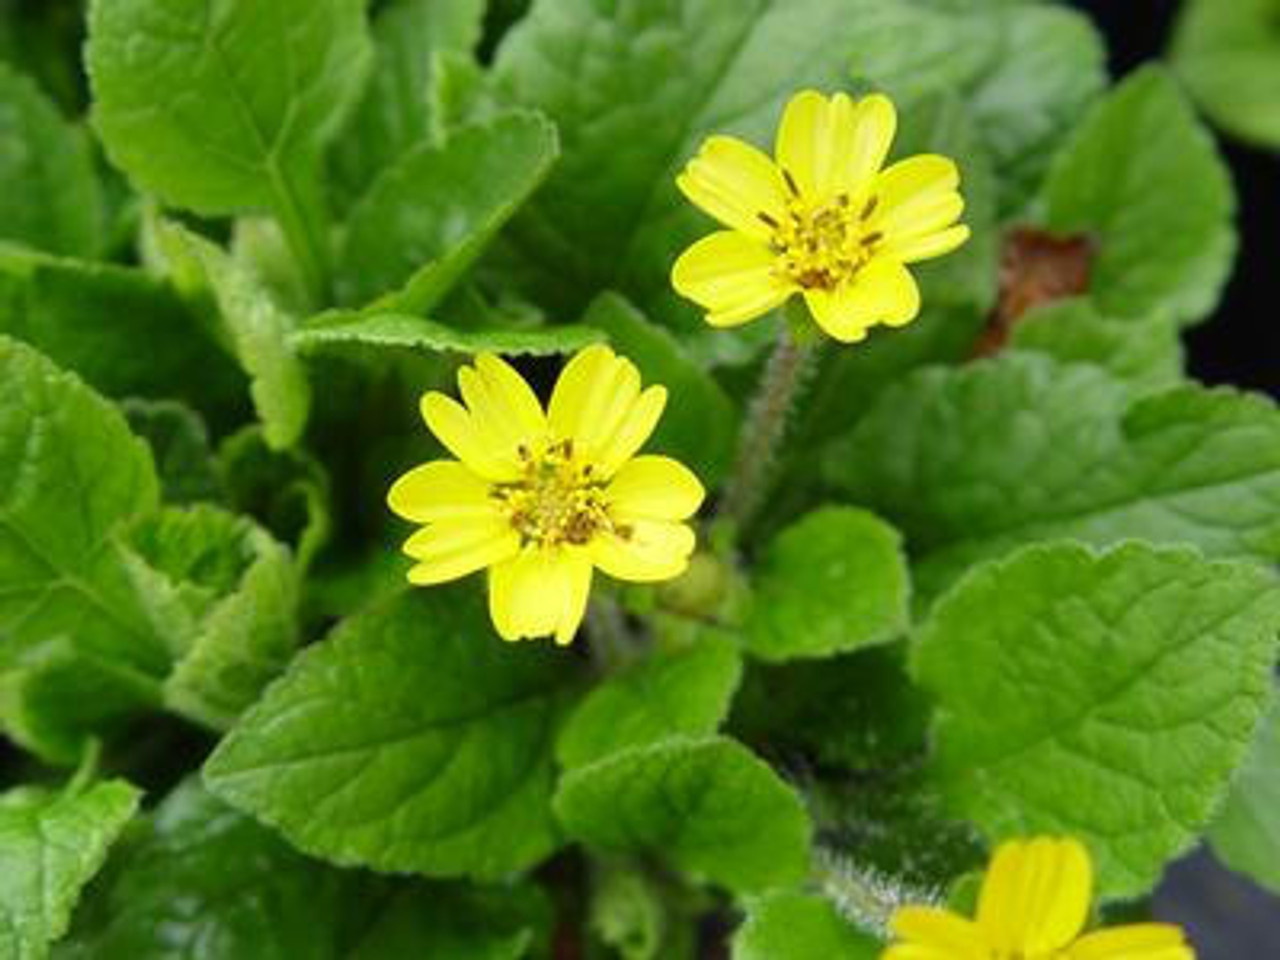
x=707 y=806
x=51 y=846
x=459 y=782
x=1246 y=834
x=797 y=926
x=1226 y=54
x=1105 y=695
x=347 y=332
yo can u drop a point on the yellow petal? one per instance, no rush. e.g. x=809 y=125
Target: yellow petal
x=454 y=548
x=1143 y=941
x=730 y=276
x=503 y=407
x=634 y=430
x=953 y=936
x=540 y=593
x=916 y=196
x=1036 y=895
x=735 y=183
x=593 y=398
x=656 y=487
x=651 y=550
x=455 y=428
x=927 y=246
x=881 y=292
x=440 y=490
x=915 y=951
x=832 y=145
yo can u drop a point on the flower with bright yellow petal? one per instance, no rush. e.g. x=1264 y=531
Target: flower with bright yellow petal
x=824 y=218
x=1033 y=906
x=542 y=497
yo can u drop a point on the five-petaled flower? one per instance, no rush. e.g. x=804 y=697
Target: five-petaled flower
x=1033 y=906
x=542 y=497
x=822 y=219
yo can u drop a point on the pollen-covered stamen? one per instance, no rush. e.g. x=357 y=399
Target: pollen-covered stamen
x=557 y=500
x=822 y=246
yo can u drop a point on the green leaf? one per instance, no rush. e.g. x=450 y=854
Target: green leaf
x=52 y=199
x=179 y=444
x=349 y=758
x=91 y=317
x=685 y=691
x=257 y=330
x=1228 y=55
x=217 y=109
x=428 y=217
x=396 y=112
x=610 y=217
x=1146 y=352
x=72 y=477
x=51 y=846
x=1137 y=148
x=1246 y=834
x=700 y=424
x=708 y=806
x=1104 y=695
x=833 y=582
x=242 y=589
x=346 y=332
x=456 y=923
x=799 y=926
x=970 y=463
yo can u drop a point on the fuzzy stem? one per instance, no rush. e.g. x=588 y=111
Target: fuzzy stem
x=781 y=385
x=864 y=897
x=612 y=644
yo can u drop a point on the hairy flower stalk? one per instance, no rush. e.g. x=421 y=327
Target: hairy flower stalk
x=866 y=897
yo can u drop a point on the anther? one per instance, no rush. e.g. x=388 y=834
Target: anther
x=767 y=220
x=791 y=183
x=870 y=208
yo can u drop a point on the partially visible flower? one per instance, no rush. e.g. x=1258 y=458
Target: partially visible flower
x=542 y=497
x=1033 y=906
x=822 y=219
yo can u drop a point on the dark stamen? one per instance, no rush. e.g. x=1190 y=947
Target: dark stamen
x=791 y=183
x=767 y=220
x=871 y=238
x=870 y=208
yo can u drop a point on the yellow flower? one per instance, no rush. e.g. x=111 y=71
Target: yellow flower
x=1033 y=906
x=821 y=219
x=542 y=497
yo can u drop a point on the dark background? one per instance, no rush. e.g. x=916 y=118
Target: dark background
x=1226 y=917
x=1237 y=345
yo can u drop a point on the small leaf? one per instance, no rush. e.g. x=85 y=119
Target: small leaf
x=52 y=199
x=1246 y=835
x=1104 y=695
x=833 y=582
x=428 y=217
x=345 y=332
x=699 y=426
x=799 y=926
x=972 y=462
x=355 y=764
x=1146 y=352
x=675 y=692
x=51 y=846
x=257 y=329
x=179 y=444
x=1137 y=148
x=708 y=806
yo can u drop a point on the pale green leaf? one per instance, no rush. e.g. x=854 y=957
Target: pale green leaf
x=970 y=463
x=1246 y=834
x=1136 y=149
x=428 y=217
x=346 y=332
x=708 y=806
x=51 y=199
x=833 y=582
x=51 y=846
x=354 y=762
x=799 y=926
x=699 y=426
x=684 y=691
x=1228 y=55
x=1108 y=696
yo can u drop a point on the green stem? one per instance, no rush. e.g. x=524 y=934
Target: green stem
x=612 y=645
x=306 y=231
x=87 y=771
x=781 y=385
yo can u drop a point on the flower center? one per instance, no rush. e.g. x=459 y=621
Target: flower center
x=556 y=501
x=821 y=247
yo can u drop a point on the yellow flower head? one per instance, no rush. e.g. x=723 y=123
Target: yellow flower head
x=542 y=497
x=1033 y=906
x=821 y=219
